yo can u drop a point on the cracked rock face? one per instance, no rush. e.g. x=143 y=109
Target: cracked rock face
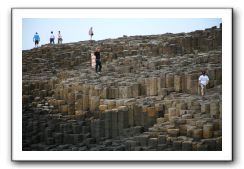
x=146 y=98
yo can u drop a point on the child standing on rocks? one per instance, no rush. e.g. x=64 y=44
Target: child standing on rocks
x=203 y=81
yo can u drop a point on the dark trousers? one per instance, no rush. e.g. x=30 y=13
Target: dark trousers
x=51 y=40
x=60 y=40
x=98 y=64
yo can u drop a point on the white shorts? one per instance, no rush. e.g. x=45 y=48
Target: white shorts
x=203 y=86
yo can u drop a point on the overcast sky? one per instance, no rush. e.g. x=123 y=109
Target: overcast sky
x=74 y=30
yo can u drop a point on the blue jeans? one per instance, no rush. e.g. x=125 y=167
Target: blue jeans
x=51 y=40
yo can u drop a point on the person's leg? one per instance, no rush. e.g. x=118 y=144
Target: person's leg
x=100 y=66
x=97 y=62
x=202 y=87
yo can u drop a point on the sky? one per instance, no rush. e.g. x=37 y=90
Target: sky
x=74 y=30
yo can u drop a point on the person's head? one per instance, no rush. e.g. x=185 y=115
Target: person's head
x=98 y=49
x=58 y=31
x=36 y=33
x=51 y=32
x=203 y=73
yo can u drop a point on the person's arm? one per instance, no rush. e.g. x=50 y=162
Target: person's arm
x=199 y=81
x=207 y=81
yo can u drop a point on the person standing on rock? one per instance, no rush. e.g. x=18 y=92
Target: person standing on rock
x=60 y=39
x=52 y=38
x=91 y=33
x=203 y=81
x=98 y=60
x=36 y=39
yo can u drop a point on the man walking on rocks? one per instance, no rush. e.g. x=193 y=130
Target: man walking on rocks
x=203 y=81
x=98 y=60
x=36 y=39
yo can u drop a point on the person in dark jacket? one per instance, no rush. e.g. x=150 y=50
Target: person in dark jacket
x=98 y=60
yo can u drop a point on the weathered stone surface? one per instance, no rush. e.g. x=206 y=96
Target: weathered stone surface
x=169 y=80
x=208 y=131
x=173 y=132
x=205 y=108
x=114 y=122
x=143 y=140
x=186 y=146
x=172 y=113
x=214 y=109
x=197 y=134
x=178 y=83
x=177 y=145
x=153 y=142
x=108 y=123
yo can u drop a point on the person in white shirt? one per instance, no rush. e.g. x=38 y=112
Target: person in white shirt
x=60 y=39
x=203 y=81
x=52 y=38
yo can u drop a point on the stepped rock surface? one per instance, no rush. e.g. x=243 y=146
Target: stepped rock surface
x=146 y=97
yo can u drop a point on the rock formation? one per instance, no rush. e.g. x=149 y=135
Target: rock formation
x=146 y=98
